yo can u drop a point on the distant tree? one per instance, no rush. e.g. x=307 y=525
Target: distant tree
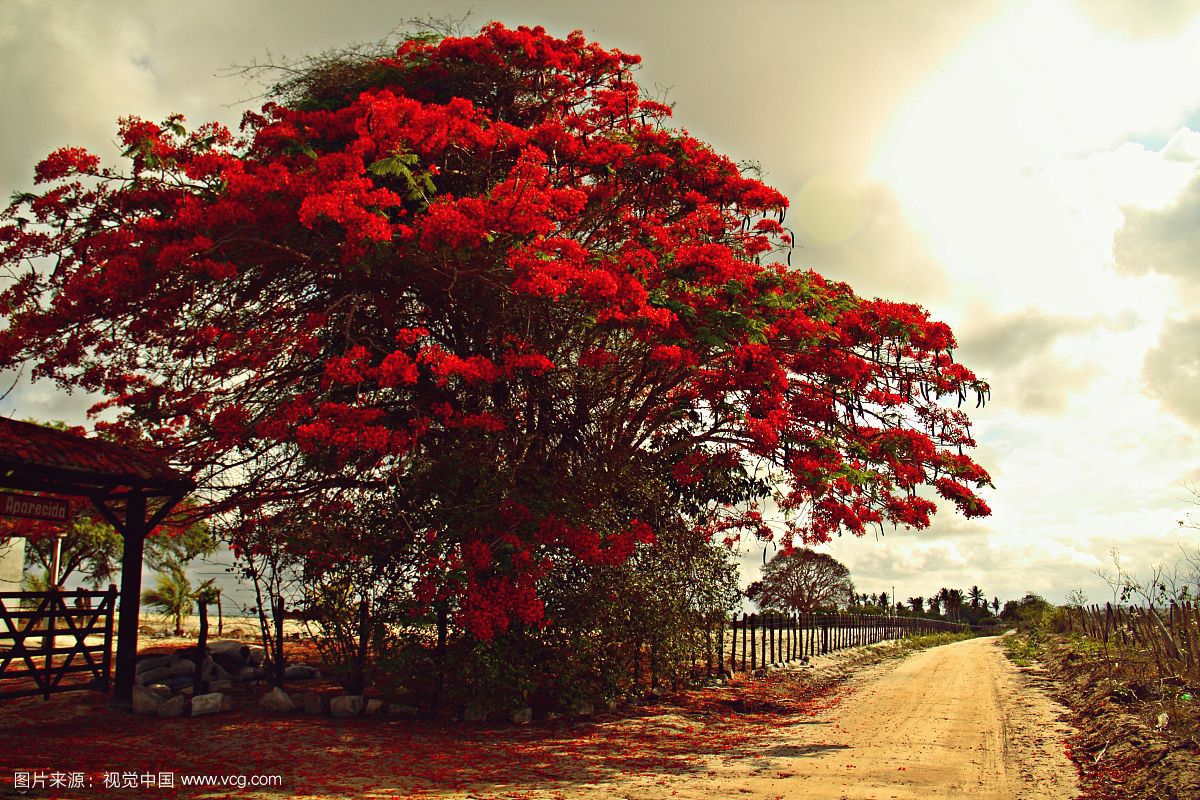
x=952 y=601
x=943 y=596
x=996 y=605
x=36 y=582
x=804 y=580
x=935 y=606
x=882 y=600
x=917 y=604
x=957 y=601
x=977 y=598
x=90 y=550
x=1031 y=611
x=179 y=546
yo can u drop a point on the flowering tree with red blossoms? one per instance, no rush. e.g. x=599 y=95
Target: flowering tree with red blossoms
x=479 y=286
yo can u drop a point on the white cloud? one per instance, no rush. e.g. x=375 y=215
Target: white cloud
x=1018 y=165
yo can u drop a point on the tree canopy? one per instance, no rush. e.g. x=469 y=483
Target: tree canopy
x=475 y=303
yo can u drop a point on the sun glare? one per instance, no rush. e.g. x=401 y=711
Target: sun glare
x=1010 y=164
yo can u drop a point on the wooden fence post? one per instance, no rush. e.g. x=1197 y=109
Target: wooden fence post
x=721 y=646
x=744 y=619
x=753 y=642
x=49 y=639
x=111 y=603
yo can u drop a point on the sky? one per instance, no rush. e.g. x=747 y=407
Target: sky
x=1028 y=171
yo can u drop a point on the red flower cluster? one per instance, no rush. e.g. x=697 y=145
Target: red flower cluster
x=480 y=268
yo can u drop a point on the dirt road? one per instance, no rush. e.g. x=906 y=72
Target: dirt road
x=958 y=721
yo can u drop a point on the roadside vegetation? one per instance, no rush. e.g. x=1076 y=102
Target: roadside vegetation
x=914 y=643
x=1131 y=685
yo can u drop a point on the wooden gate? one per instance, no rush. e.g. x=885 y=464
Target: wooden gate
x=44 y=638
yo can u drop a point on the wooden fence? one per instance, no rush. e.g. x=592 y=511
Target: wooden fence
x=43 y=640
x=1167 y=638
x=722 y=646
x=761 y=640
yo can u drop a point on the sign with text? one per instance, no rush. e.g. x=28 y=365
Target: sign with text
x=33 y=507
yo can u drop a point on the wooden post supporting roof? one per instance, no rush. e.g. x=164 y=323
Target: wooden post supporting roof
x=132 y=489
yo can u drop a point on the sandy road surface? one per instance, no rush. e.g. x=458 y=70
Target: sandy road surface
x=958 y=721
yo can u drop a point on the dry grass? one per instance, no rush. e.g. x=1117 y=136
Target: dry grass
x=1139 y=730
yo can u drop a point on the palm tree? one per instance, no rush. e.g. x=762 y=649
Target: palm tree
x=935 y=606
x=943 y=596
x=37 y=581
x=954 y=603
x=917 y=603
x=951 y=600
x=977 y=598
x=172 y=595
x=996 y=605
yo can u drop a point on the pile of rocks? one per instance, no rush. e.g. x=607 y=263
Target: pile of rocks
x=157 y=700
x=340 y=707
x=165 y=685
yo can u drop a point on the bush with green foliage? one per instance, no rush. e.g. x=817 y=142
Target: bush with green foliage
x=1031 y=613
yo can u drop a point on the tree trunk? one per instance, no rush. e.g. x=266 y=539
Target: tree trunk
x=443 y=622
x=201 y=685
x=359 y=678
x=278 y=654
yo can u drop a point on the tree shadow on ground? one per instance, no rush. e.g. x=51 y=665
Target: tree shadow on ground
x=386 y=757
x=800 y=751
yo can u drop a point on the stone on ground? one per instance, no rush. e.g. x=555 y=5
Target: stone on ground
x=209 y=703
x=347 y=705
x=145 y=701
x=277 y=700
x=173 y=707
